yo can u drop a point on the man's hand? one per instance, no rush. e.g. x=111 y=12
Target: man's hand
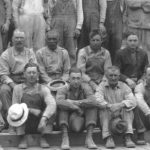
x=42 y=124
x=131 y=83
x=76 y=33
x=116 y=107
x=93 y=85
x=35 y=112
x=102 y=28
x=12 y=85
x=5 y=28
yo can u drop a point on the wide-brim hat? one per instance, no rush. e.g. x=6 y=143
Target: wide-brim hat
x=17 y=114
x=56 y=85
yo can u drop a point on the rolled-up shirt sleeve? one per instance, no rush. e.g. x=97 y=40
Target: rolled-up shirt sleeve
x=43 y=72
x=108 y=62
x=5 y=68
x=49 y=101
x=79 y=14
x=141 y=103
x=103 y=7
x=81 y=63
x=66 y=65
x=129 y=98
x=99 y=94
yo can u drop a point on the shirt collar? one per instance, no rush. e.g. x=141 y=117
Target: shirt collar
x=16 y=53
x=25 y=86
x=100 y=52
x=137 y=50
x=118 y=85
x=52 y=51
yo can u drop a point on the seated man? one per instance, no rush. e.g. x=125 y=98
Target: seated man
x=131 y=60
x=12 y=64
x=93 y=60
x=117 y=100
x=53 y=60
x=40 y=102
x=142 y=94
x=79 y=97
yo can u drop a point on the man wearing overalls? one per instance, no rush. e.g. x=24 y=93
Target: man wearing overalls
x=67 y=18
x=41 y=105
x=93 y=60
x=94 y=18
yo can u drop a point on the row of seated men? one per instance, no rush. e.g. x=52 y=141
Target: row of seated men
x=110 y=95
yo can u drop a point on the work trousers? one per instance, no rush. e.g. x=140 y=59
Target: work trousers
x=31 y=126
x=6 y=98
x=34 y=27
x=90 y=117
x=114 y=27
x=105 y=117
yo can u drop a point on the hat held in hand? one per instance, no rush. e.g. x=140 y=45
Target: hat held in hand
x=17 y=114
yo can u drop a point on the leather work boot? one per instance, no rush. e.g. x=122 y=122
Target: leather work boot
x=89 y=143
x=140 y=139
x=110 y=142
x=128 y=142
x=65 y=139
x=43 y=143
x=23 y=142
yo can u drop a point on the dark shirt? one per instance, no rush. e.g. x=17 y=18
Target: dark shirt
x=129 y=67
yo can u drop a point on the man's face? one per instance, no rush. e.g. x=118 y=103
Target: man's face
x=52 y=40
x=148 y=76
x=95 y=42
x=75 y=79
x=31 y=75
x=19 y=39
x=113 y=77
x=132 y=41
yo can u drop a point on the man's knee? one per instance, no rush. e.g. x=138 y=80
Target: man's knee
x=5 y=89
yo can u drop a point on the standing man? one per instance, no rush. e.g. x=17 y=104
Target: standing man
x=117 y=100
x=12 y=64
x=28 y=16
x=79 y=95
x=53 y=60
x=94 y=18
x=67 y=18
x=114 y=26
x=93 y=60
x=40 y=103
x=5 y=16
x=137 y=20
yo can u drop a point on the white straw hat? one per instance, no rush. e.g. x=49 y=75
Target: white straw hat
x=17 y=114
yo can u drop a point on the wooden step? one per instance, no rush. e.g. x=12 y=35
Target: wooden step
x=76 y=139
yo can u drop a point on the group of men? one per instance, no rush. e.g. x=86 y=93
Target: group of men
x=118 y=94
x=74 y=19
x=94 y=87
